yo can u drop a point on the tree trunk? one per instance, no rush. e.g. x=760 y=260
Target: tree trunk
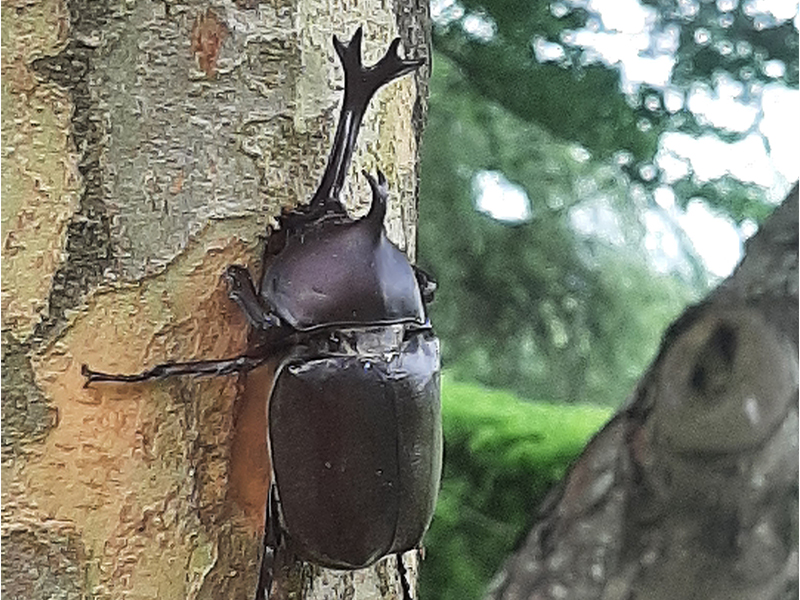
x=146 y=146
x=690 y=492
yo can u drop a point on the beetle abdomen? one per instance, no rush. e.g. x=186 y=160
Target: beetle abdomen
x=356 y=448
x=342 y=273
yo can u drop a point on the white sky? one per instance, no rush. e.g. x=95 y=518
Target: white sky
x=766 y=156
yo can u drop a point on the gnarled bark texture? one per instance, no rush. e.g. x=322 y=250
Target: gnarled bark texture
x=690 y=492
x=148 y=144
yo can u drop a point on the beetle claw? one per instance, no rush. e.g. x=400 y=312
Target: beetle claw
x=88 y=374
x=427 y=285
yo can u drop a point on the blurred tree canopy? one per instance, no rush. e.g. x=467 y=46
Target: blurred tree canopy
x=567 y=305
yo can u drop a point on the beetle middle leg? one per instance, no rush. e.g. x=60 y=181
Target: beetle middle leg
x=272 y=539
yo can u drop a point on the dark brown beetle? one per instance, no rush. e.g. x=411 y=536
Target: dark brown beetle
x=355 y=435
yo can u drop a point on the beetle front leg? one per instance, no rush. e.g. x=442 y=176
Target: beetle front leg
x=242 y=291
x=226 y=366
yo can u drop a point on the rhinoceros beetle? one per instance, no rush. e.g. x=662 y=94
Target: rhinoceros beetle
x=355 y=435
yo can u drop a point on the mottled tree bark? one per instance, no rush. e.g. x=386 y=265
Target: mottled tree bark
x=690 y=492
x=146 y=146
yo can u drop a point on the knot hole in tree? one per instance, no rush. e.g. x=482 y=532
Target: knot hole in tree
x=724 y=384
x=715 y=362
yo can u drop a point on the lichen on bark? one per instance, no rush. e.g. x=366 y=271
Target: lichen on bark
x=27 y=415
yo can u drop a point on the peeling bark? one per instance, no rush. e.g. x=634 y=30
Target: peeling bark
x=146 y=146
x=690 y=491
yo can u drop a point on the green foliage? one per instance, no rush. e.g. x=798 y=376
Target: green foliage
x=729 y=37
x=502 y=455
x=578 y=97
x=738 y=201
x=583 y=105
x=531 y=306
x=538 y=307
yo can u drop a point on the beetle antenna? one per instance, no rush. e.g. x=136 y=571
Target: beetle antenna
x=360 y=84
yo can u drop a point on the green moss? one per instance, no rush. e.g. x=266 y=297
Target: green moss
x=502 y=455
